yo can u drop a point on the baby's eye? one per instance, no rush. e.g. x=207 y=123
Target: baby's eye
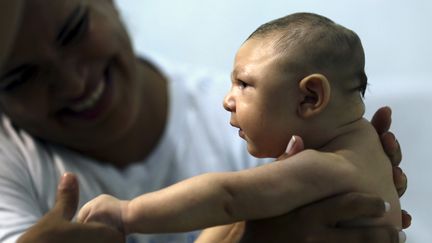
x=242 y=84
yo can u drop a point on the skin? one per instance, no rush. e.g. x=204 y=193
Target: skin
x=324 y=228
x=255 y=96
x=8 y=22
x=64 y=74
x=250 y=100
x=37 y=112
x=56 y=225
x=270 y=104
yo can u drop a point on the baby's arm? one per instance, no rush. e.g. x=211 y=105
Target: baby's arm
x=195 y=203
x=191 y=204
x=222 y=198
x=282 y=186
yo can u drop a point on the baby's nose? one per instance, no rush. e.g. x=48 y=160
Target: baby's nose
x=229 y=103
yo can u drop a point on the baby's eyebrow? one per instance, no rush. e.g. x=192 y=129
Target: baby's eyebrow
x=236 y=72
x=232 y=74
x=241 y=72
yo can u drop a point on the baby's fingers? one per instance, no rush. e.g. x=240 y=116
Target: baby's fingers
x=83 y=214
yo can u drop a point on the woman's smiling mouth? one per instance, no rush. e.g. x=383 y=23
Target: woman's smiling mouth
x=95 y=103
x=91 y=100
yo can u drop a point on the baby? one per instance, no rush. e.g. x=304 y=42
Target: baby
x=298 y=75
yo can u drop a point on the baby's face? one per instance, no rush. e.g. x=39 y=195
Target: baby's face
x=262 y=100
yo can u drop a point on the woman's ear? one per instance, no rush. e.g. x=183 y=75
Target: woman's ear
x=315 y=95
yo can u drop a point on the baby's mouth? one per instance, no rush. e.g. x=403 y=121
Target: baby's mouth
x=241 y=133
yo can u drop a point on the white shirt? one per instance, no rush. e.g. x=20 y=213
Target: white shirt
x=197 y=139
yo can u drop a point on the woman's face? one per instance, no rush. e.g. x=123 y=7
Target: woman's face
x=71 y=77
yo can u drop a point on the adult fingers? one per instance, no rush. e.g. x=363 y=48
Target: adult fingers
x=77 y=233
x=406 y=219
x=67 y=197
x=222 y=234
x=346 y=207
x=359 y=235
x=382 y=234
x=96 y=233
x=400 y=180
x=391 y=148
x=381 y=120
x=83 y=214
x=295 y=146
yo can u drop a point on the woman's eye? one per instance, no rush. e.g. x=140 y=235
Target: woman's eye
x=19 y=80
x=75 y=31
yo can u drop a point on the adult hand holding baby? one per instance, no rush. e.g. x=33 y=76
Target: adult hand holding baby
x=319 y=221
x=56 y=225
x=104 y=209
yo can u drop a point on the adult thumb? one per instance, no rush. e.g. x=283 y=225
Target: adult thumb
x=295 y=146
x=67 y=197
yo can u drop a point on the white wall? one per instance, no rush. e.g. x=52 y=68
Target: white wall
x=396 y=36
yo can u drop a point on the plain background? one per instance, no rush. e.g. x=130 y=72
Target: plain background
x=396 y=36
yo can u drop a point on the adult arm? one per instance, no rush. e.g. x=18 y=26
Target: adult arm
x=318 y=222
x=313 y=223
x=56 y=225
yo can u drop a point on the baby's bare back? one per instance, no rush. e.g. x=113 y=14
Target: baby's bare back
x=374 y=175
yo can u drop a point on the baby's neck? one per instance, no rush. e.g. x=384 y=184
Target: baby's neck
x=325 y=138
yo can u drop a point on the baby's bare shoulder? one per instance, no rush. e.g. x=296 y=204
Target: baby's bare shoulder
x=314 y=162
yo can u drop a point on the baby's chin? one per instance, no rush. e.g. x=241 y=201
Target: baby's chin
x=262 y=154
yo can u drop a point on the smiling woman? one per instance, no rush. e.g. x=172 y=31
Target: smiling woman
x=76 y=75
x=75 y=97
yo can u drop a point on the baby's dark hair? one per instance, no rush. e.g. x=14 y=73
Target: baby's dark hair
x=325 y=44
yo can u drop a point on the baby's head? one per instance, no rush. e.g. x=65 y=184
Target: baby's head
x=298 y=75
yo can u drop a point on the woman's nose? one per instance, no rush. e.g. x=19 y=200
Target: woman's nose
x=69 y=81
x=229 y=103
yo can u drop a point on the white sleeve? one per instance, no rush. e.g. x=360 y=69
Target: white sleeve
x=19 y=207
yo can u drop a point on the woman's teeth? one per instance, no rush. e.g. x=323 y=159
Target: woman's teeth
x=91 y=100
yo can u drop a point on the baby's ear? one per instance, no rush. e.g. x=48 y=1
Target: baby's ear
x=315 y=95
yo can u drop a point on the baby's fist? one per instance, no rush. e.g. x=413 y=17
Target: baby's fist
x=103 y=209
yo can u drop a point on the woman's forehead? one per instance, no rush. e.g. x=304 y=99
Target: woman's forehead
x=43 y=15
x=40 y=23
x=48 y=8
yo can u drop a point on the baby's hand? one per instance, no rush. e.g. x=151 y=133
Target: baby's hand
x=104 y=209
